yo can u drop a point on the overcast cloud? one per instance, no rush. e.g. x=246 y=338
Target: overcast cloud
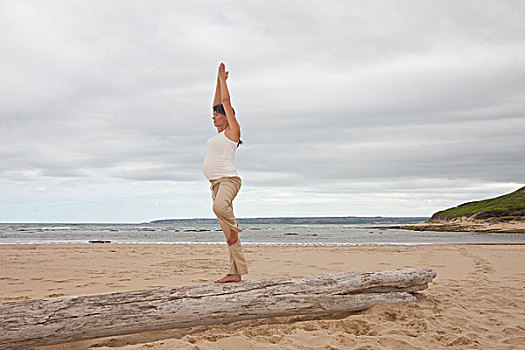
x=392 y=108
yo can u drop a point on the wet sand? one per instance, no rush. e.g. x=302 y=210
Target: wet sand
x=464 y=225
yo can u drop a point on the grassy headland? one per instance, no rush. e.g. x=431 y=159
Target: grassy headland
x=505 y=213
x=508 y=207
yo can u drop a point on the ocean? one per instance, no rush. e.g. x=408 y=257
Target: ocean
x=208 y=232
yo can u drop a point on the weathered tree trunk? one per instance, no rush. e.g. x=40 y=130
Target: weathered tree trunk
x=24 y=324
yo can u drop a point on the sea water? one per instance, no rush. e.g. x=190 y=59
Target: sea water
x=269 y=234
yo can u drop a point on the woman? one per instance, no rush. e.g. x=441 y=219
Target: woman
x=219 y=170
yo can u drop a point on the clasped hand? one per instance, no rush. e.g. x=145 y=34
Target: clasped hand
x=223 y=75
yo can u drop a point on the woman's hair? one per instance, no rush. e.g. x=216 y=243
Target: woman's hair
x=220 y=109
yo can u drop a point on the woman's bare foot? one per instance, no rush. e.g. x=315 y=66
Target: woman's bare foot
x=229 y=278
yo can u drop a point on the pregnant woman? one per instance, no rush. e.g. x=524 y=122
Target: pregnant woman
x=219 y=170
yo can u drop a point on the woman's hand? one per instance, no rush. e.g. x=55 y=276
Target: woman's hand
x=223 y=75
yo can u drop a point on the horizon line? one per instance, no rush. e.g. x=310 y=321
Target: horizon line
x=208 y=218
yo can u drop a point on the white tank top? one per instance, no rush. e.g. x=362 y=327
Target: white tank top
x=219 y=160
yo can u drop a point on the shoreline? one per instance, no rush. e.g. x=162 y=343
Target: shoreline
x=264 y=244
x=450 y=228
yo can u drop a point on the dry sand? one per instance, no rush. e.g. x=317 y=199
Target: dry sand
x=477 y=300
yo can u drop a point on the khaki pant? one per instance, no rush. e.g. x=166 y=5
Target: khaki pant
x=223 y=192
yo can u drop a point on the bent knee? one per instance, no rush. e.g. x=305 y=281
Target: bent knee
x=220 y=208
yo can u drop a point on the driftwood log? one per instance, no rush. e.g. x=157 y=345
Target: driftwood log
x=29 y=323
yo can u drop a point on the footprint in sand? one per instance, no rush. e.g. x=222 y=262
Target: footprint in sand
x=23 y=297
x=511 y=331
x=56 y=295
x=96 y=273
x=516 y=341
x=483 y=266
x=85 y=285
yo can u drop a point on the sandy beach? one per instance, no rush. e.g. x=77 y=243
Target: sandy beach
x=476 y=301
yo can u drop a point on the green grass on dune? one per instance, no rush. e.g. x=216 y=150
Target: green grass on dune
x=503 y=208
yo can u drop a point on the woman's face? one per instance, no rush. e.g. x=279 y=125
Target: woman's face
x=219 y=119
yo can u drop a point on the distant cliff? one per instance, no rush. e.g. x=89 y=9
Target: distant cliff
x=509 y=207
x=501 y=214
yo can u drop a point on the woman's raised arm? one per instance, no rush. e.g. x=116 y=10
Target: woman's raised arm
x=225 y=99
x=217 y=99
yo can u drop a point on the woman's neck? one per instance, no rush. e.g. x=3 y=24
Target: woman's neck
x=221 y=129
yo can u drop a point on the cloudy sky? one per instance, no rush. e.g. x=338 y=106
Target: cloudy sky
x=391 y=108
